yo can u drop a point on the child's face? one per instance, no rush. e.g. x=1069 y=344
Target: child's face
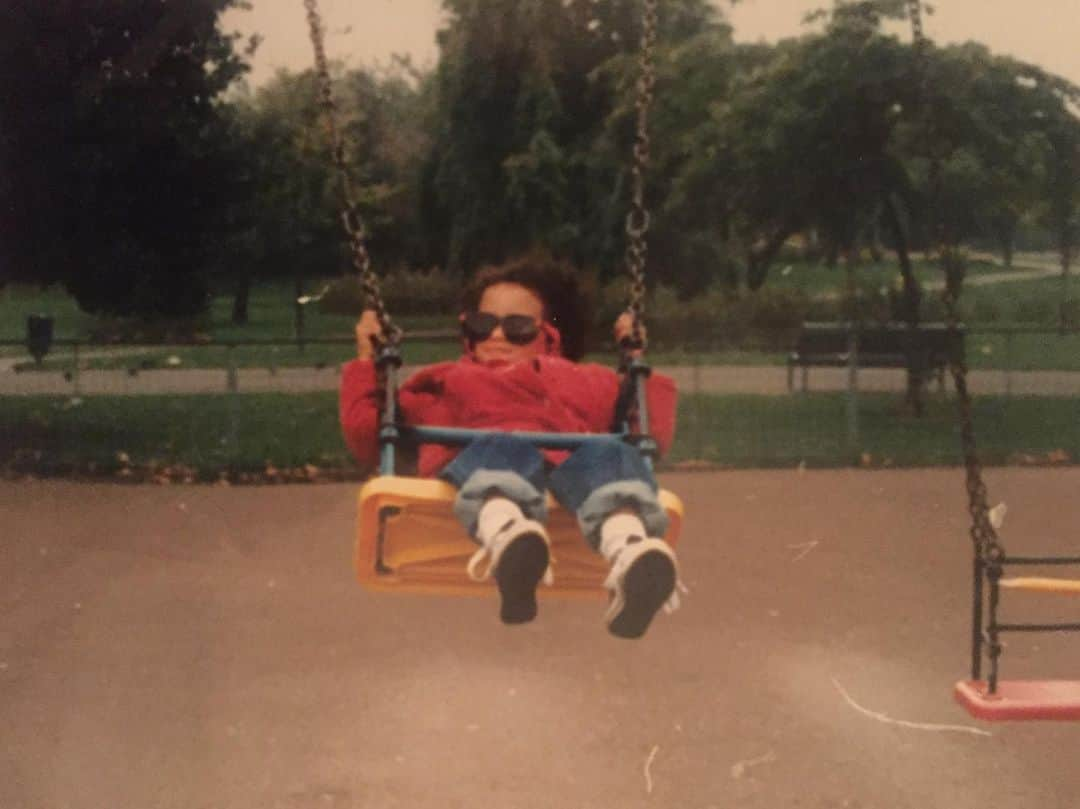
x=504 y=299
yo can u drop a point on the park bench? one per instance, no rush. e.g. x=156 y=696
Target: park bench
x=839 y=345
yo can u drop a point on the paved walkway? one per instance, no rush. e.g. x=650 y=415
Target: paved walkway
x=706 y=379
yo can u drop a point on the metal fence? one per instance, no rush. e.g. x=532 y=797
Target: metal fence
x=733 y=410
x=1003 y=361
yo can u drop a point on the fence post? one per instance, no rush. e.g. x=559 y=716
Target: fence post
x=696 y=386
x=1008 y=363
x=233 y=386
x=852 y=391
x=232 y=383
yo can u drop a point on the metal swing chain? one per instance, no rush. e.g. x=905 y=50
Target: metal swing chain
x=637 y=221
x=350 y=215
x=982 y=532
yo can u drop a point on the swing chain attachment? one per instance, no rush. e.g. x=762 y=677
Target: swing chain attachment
x=351 y=220
x=637 y=220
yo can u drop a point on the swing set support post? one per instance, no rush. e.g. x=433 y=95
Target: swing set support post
x=387 y=362
x=977 y=619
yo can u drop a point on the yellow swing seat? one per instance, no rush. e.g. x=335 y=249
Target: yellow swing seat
x=1036 y=584
x=408 y=540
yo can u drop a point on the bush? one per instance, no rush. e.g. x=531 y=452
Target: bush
x=150 y=330
x=405 y=293
x=719 y=317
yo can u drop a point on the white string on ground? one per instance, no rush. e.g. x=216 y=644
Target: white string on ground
x=904 y=723
x=739 y=768
x=648 y=764
x=805 y=547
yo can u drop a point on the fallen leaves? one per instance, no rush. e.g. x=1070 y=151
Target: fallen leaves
x=1054 y=457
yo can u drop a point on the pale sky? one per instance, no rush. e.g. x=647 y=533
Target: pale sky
x=364 y=32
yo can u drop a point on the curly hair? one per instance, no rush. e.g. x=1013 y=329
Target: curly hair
x=554 y=282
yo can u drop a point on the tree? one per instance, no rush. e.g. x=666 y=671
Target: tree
x=803 y=139
x=112 y=148
x=519 y=155
x=290 y=225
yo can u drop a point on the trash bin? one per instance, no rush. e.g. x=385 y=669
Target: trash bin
x=39 y=335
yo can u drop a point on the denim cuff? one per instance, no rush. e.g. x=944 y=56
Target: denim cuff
x=635 y=494
x=484 y=483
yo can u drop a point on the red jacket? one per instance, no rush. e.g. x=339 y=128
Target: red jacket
x=547 y=394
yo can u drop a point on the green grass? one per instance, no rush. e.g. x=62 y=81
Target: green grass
x=201 y=437
x=768 y=431
x=817 y=279
x=18 y=302
x=1024 y=352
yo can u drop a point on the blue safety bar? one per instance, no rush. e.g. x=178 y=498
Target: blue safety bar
x=636 y=370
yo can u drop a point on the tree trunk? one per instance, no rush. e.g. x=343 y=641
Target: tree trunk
x=241 y=296
x=757 y=269
x=912 y=299
x=298 y=312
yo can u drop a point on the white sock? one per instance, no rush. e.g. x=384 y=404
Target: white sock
x=494 y=514
x=616 y=530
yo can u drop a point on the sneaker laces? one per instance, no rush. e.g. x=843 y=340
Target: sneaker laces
x=622 y=553
x=492 y=551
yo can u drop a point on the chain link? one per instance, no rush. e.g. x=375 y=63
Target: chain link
x=637 y=221
x=915 y=13
x=351 y=220
x=982 y=532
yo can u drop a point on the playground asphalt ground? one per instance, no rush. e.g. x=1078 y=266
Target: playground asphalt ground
x=205 y=647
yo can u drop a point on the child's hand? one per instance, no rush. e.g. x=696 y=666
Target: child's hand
x=624 y=330
x=368 y=334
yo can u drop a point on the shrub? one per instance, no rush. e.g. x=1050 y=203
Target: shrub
x=405 y=293
x=719 y=317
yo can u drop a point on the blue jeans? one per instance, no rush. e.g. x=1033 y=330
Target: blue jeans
x=596 y=480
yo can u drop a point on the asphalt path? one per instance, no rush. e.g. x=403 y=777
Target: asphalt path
x=206 y=647
x=718 y=379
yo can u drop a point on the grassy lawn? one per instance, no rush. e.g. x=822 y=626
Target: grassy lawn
x=768 y=431
x=818 y=279
x=18 y=302
x=201 y=437
x=193 y=436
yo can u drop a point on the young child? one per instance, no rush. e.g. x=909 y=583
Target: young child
x=523 y=325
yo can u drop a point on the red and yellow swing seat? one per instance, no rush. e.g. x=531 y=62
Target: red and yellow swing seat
x=408 y=540
x=1025 y=699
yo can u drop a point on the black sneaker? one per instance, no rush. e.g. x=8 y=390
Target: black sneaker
x=643 y=579
x=519 y=562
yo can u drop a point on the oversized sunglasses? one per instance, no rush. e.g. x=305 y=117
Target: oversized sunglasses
x=518 y=329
